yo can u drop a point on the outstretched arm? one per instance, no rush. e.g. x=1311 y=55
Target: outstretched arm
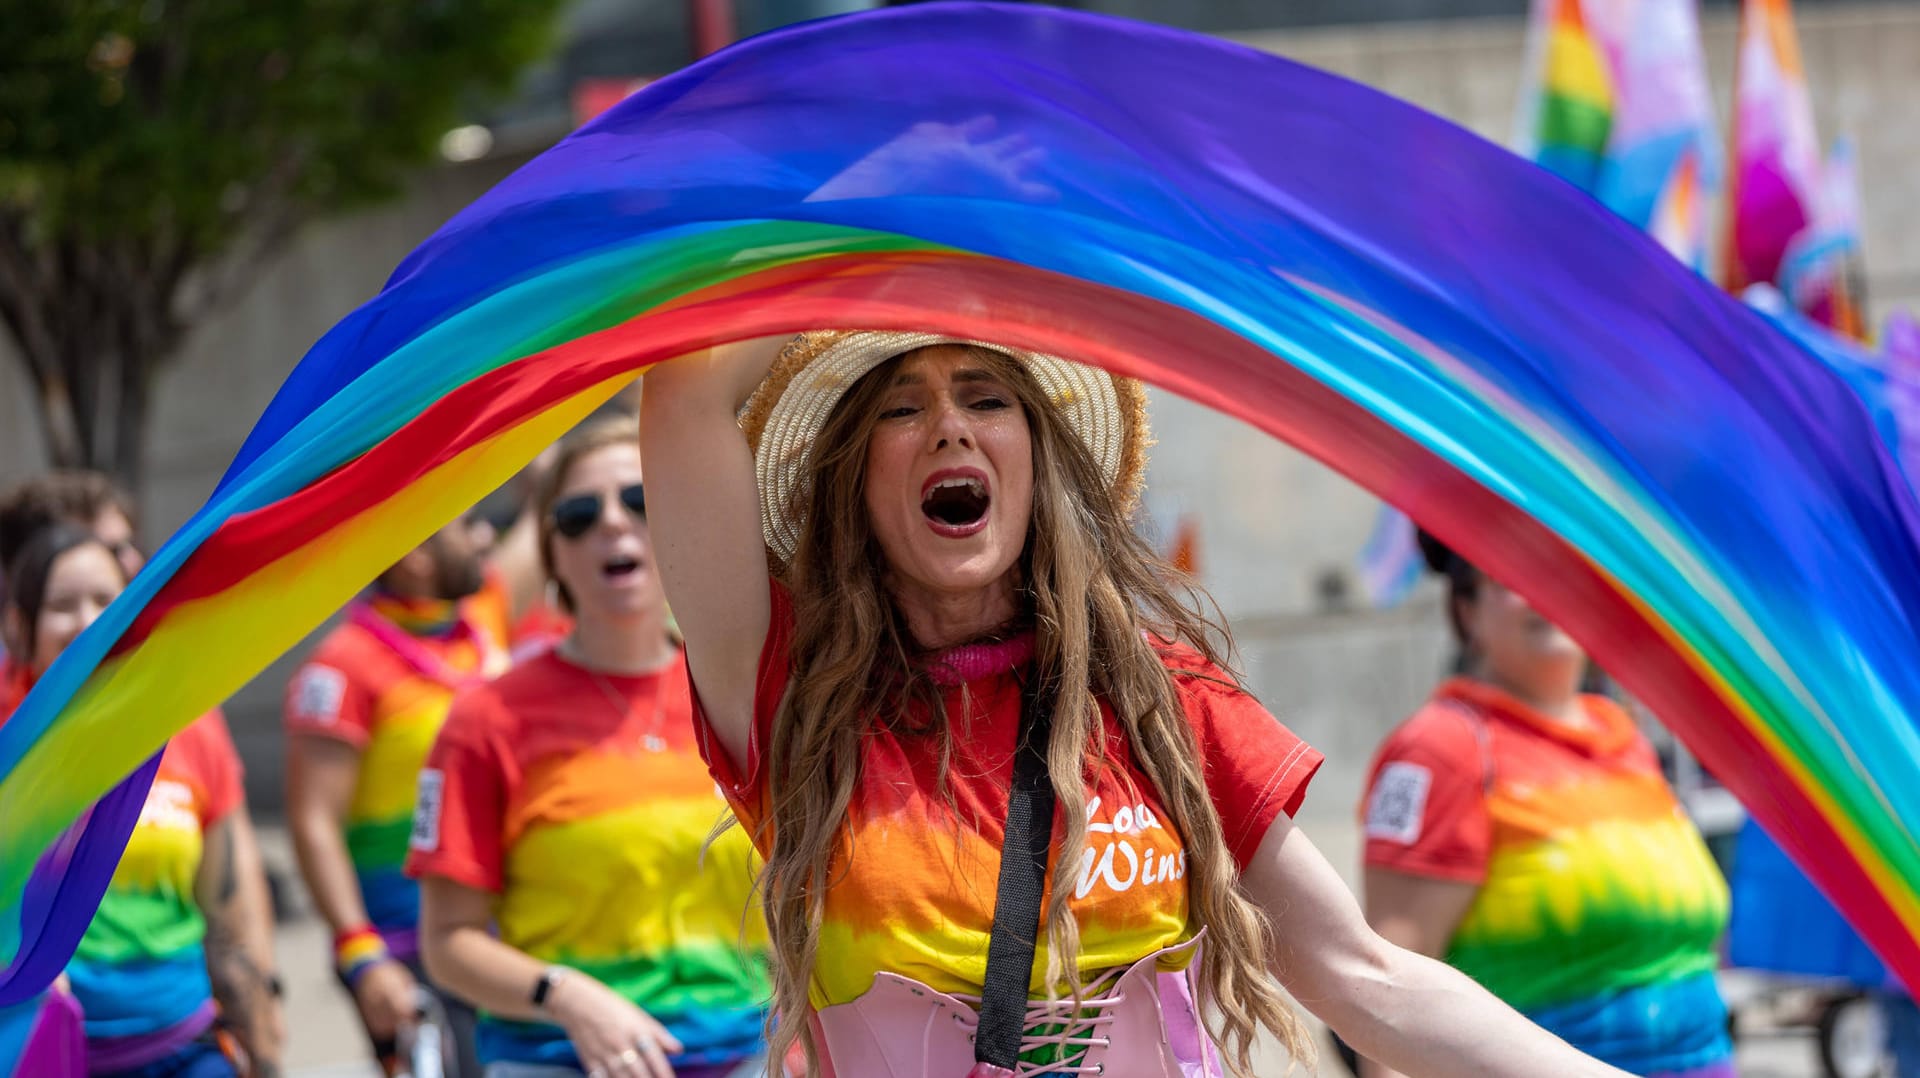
x=705 y=519
x=1405 y=1010
x=1416 y=913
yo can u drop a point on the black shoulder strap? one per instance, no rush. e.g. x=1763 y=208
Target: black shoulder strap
x=1023 y=880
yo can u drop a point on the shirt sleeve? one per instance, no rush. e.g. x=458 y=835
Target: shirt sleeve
x=1256 y=768
x=460 y=811
x=743 y=787
x=216 y=765
x=325 y=699
x=1425 y=810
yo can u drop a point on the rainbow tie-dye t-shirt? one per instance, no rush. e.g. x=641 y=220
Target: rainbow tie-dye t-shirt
x=140 y=974
x=1599 y=910
x=358 y=688
x=580 y=801
x=917 y=897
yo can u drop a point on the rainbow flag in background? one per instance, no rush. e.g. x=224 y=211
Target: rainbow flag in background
x=1568 y=115
x=1774 y=178
x=1616 y=100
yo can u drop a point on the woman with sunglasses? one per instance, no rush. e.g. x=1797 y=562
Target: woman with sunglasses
x=566 y=803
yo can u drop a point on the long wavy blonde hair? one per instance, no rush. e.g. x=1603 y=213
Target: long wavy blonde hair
x=1092 y=590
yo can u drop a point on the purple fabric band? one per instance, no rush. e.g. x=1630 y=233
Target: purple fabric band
x=106 y=1055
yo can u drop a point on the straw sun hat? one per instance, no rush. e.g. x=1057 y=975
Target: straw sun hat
x=785 y=414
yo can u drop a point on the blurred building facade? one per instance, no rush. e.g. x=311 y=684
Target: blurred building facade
x=1276 y=533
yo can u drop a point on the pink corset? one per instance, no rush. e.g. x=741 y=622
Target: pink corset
x=1137 y=1022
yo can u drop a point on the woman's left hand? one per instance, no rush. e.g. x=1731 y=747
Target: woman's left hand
x=613 y=1037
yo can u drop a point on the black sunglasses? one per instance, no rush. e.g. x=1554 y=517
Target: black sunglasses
x=573 y=517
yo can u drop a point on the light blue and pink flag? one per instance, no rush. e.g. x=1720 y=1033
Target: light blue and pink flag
x=1774 y=181
x=1662 y=146
x=1390 y=562
x=1817 y=271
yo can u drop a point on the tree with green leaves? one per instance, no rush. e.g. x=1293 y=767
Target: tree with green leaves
x=156 y=154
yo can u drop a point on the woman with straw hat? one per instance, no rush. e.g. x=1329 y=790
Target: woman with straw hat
x=1014 y=809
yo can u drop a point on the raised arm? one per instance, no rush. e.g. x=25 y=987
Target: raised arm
x=1405 y=1010
x=703 y=509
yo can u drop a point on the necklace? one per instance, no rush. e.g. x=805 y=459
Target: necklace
x=971 y=662
x=650 y=738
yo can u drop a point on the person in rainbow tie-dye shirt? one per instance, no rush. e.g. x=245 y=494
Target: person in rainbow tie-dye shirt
x=1524 y=831
x=183 y=935
x=565 y=804
x=361 y=714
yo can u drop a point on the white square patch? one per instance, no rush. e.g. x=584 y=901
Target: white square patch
x=318 y=694
x=426 y=811
x=1398 y=802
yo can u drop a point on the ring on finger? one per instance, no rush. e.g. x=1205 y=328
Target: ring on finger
x=597 y=1072
x=630 y=1056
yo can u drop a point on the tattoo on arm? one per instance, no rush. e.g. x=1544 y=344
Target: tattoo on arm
x=242 y=989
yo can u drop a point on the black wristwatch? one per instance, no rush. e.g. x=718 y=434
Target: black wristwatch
x=550 y=979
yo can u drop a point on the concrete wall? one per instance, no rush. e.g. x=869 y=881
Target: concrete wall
x=1273 y=524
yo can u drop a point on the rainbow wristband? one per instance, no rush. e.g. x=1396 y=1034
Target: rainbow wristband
x=356 y=951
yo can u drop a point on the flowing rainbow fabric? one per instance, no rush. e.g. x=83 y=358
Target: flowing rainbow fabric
x=1901 y=338
x=1888 y=382
x=1684 y=487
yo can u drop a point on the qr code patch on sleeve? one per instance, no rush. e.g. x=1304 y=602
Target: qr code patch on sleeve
x=1398 y=802
x=318 y=694
x=426 y=811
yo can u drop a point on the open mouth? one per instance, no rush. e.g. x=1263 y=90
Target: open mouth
x=619 y=569
x=956 y=504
